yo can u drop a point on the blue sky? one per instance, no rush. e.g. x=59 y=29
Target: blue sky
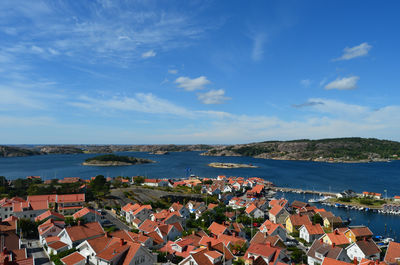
x=149 y=72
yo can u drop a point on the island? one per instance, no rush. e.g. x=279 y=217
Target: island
x=231 y=165
x=159 y=153
x=114 y=160
x=335 y=150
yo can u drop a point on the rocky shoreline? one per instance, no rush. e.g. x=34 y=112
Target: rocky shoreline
x=230 y=165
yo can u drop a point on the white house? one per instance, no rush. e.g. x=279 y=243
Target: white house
x=253 y=211
x=364 y=249
x=310 y=232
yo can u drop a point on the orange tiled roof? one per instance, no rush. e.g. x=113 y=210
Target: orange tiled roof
x=216 y=228
x=48 y=214
x=85 y=231
x=329 y=261
x=393 y=253
x=73 y=258
x=83 y=212
x=314 y=229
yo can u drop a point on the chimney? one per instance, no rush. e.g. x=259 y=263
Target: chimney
x=377 y=261
x=365 y=239
x=209 y=245
x=321 y=241
x=333 y=245
x=193 y=232
x=106 y=234
x=355 y=261
x=268 y=244
x=79 y=222
x=336 y=232
x=122 y=241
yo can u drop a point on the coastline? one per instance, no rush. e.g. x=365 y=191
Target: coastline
x=230 y=165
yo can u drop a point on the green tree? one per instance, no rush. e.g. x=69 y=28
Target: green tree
x=28 y=228
x=317 y=219
x=138 y=180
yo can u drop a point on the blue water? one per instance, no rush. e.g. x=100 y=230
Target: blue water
x=375 y=177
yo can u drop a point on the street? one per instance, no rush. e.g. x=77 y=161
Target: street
x=114 y=220
x=37 y=251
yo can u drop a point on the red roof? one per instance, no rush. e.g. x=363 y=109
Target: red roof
x=275 y=210
x=83 y=212
x=48 y=214
x=73 y=258
x=217 y=228
x=392 y=253
x=314 y=229
x=51 y=198
x=250 y=208
x=85 y=231
x=57 y=245
x=329 y=261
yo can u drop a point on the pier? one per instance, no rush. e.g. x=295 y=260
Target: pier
x=302 y=191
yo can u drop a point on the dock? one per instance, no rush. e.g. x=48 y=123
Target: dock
x=302 y=191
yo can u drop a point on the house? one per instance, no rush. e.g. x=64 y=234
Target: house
x=295 y=221
x=336 y=238
x=357 y=233
x=88 y=215
x=253 y=211
x=213 y=254
x=74 y=259
x=320 y=250
x=273 y=229
x=56 y=247
x=364 y=249
x=142 y=213
x=256 y=191
x=130 y=207
x=218 y=229
x=64 y=203
x=278 y=214
x=392 y=255
x=123 y=252
x=268 y=253
x=329 y=261
x=333 y=222
x=297 y=205
x=311 y=232
x=133 y=237
x=396 y=198
x=150 y=182
x=50 y=228
x=346 y=194
x=74 y=235
x=49 y=215
x=181 y=209
x=263 y=238
x=374 y=195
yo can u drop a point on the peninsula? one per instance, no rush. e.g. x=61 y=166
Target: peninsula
x=114 y=160
x=231 y=165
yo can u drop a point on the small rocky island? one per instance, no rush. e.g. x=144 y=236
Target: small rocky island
x=159 y=152
x=231 y=165
x=114 y=160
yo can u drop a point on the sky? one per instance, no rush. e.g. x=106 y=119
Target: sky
x=186 y=72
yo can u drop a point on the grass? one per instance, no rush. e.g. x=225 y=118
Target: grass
x=360 y=201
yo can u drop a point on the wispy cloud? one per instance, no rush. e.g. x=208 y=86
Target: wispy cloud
x=259 y=40
x=172 y=71
x=118 y=33
x=148 y=54
x=345 y=83
x=192 y=84
x=307 y=104
x=213 y=97
x=306 y=82
x=140 y=102
x=354 y=52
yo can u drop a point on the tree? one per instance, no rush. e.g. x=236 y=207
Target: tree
x=28 y=228
x=317 y=219
x=99 y=185
x=138 y=180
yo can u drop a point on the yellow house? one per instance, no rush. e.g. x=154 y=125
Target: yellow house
x=333 y=222
x=358 y=233
x=294 y=222
x=335 y=238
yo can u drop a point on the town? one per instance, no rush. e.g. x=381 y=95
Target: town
x=202 y=221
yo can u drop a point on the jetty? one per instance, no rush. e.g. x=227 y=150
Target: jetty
x=302 y=191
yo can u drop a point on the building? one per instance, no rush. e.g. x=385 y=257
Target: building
x=310 y=232
x=364 y=249
x=392 y=255
x=320 y=250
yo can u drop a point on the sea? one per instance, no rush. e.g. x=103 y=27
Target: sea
x=380 y=177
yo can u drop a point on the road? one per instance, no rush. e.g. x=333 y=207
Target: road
x=114 y=220
x=36 y=250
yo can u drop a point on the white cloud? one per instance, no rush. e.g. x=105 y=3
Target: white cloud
x=140 y=102
x=354 y=52
x=148 y=54
x=306 y=82
x=213 y=97
x=345 y=83
x=172 y=71
x=192 y=84
x=258 y=46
